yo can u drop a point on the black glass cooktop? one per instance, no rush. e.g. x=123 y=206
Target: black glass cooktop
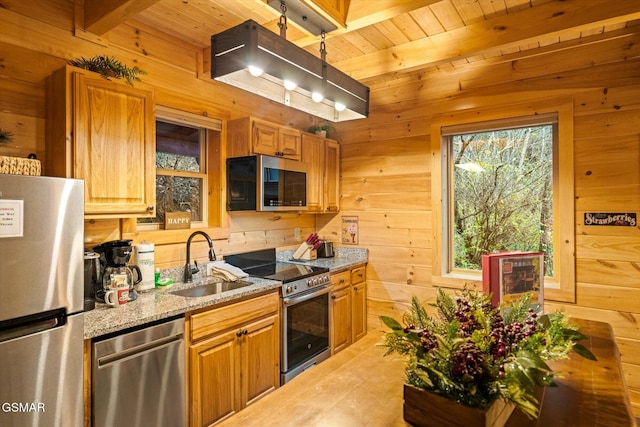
x=263 y=264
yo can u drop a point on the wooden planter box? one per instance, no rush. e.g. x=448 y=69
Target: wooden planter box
x=422 y=408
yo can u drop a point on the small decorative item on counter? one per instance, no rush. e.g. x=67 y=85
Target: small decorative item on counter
x=473 y=353
x=308 y=249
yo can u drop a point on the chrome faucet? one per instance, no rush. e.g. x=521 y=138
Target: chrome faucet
x=188 y=270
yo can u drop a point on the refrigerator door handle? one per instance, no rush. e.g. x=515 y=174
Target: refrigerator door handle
x=29 y=325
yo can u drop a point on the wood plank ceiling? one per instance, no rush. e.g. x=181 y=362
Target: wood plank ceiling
x=386 y=37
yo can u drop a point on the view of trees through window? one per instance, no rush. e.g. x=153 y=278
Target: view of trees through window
x=180 y=173
x=502 y=194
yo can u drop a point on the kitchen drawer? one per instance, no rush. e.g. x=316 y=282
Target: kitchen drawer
x=340 y=280
x=217 y=320
x=358 y=275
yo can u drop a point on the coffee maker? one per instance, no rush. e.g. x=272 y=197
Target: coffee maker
x=114 y=256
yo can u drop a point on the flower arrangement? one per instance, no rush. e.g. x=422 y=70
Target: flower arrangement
x=473 y=352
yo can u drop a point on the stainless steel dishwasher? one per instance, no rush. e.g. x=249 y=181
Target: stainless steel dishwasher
x=138 y=378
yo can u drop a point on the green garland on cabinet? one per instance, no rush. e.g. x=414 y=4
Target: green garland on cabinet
x=109 y=67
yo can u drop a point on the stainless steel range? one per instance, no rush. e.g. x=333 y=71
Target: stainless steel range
x=305 y=308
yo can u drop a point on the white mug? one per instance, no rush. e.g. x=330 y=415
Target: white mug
x=117 y=297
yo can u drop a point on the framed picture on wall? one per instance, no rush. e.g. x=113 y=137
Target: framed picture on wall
x=350 y=230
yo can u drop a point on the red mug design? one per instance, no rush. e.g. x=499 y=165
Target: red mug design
x=117 y=297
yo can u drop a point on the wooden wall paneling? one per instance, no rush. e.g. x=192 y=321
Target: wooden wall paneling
x=608 y=297
x=607 y=100
x=152 y=43
x=631 y=375
x=415 y=275
x=608 y=272
x=629 y=350
x=249 y=221
x=27 y=132
x=98 y=231
x=619 y=248
x=620 y=198
x=608 y=125
x=399 y=255
x=634 y=396
x=21 y=97
x=58 y=13
x=607 y=162
x=385 y=201
x=592 y=51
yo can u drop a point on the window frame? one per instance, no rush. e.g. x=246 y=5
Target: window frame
x=208 y=126
x=562 y=286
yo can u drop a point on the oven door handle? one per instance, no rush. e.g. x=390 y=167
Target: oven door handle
x=316 y=293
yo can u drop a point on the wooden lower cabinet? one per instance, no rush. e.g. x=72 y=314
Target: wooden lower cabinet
x=348 y=308
x=234 y=358
x=358 y=303
x=341 y=319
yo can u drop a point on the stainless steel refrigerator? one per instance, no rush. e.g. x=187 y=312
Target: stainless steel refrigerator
x=41 y=301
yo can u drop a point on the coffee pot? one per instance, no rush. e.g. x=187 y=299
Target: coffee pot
x=114 y=256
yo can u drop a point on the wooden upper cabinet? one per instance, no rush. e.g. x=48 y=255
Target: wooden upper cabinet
x=102 y=132
x=248 y=136
x=332 y=177
x=313 y=153
x=264 y=138
x=322 y=157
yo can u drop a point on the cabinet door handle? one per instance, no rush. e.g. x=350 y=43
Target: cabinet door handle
x=355 y=288
x=245 y=332
x=239 y=334
x=150 y=208
x=333 y=297
x=341 y=280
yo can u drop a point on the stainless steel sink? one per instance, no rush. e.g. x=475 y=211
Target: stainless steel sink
x=211 y=289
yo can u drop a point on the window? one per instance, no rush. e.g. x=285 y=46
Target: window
x=501 y=185
x=500 y=195
x=182 y=140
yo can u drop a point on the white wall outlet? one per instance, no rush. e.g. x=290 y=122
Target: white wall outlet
x=296 y=233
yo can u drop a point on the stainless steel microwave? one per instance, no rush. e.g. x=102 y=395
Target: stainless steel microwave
x=265 y=183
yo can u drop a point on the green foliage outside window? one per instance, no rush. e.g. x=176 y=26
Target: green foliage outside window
x=502 y=194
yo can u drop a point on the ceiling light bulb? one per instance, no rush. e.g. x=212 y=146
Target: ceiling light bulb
x=317 y=96
x=340 y=106
x=255 y=71
x=289 y=85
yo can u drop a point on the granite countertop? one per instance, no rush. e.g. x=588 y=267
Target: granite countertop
x=160 y=303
